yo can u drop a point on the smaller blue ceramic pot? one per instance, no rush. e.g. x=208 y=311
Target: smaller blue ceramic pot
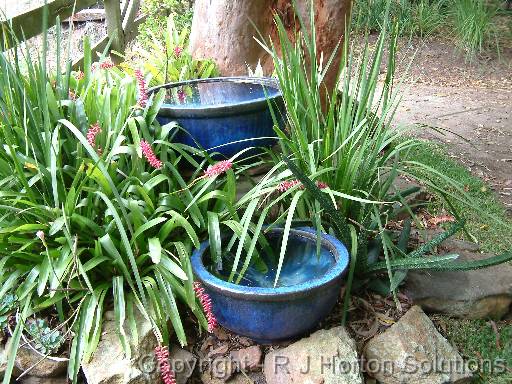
x=224 y=115
x=311 y=287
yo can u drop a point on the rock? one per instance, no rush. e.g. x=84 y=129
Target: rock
x=221 y=368
x=413 y=351
x=482 y=293
x=325 y=357
x=219 y=351
x=247 y=359
x=40 y=366
x=454 y=245
x=245 y=341
x=221 y=334
x=239 y=378
x=3 y=361
x=43 y=380
x=183 y=363
x=109 y=364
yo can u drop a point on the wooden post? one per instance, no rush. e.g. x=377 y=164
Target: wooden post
x=115 y=27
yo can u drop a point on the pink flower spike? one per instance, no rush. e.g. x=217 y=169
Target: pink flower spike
x=143 y=93
x=79 y=75
x=148 y=153
x=177 y=51
x=206 y=303
x=93 y=131
x=321 y=185
x=218 y=168
x=166 y=372
x=286 y=185
x=107 y=64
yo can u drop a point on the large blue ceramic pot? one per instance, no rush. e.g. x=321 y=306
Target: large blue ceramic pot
x=224 y=115
x=308 y=288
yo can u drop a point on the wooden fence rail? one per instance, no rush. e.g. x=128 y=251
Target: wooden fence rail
x=30 y=23
x=121 y=17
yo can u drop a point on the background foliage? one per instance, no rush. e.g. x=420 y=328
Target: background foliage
x=476 y=26
x=157 y=12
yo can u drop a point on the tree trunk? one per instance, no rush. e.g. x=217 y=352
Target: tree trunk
x=224 y=30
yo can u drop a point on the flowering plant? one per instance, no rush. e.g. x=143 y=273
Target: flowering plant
x=168 y=60
x=94 y=212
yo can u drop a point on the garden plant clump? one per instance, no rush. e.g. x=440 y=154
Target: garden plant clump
x=94 y=212
x=167 y=58
x=157 y=13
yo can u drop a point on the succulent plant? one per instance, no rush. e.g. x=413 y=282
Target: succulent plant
x=7 y=306
x=45 y=339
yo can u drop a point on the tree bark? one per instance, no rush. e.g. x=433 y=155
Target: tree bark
x=224 y=30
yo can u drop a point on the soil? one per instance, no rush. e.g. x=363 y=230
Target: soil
x=469 y=102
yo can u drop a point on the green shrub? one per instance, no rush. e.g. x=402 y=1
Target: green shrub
x=340 y=160
x=168 y=59
x=157 y=12
x=470 y=22
x=90 y=220
x=474 y=26
x=414 y=18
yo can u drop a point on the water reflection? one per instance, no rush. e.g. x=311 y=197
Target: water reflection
x=301 y=264
x=217 y=93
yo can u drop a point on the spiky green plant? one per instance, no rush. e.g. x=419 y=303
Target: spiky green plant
x=94 y=214
x=168 y=59
x=350 y=148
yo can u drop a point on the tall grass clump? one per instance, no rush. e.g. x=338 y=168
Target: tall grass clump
x=414 y=18
x=474 y=27
x=471 y=23
x=340 y=159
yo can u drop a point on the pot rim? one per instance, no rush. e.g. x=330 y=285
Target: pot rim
x=333 y=275
x=256 y=104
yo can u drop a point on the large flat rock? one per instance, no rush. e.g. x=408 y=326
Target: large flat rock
x=412 y=351
x=328 y=356
x=477 y=294
x=109 y=365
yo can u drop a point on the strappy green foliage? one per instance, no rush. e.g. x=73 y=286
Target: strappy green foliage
x=88 y=228
x=168 y=59
x=349 y=144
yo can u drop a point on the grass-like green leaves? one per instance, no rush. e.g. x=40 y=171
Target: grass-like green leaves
x=349 y=147
x=472 y=24
x=86 y=224
x=168 y=59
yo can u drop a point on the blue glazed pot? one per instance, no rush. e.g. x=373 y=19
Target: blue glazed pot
x=267 y=314
x=218 y=111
